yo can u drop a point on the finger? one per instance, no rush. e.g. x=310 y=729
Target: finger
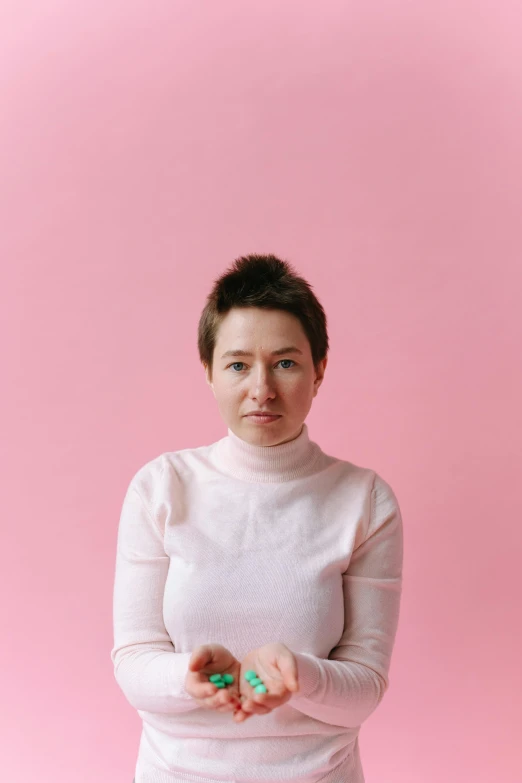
x=205 y=692
x=202 y=691
x=247 y=710
x=201 y=679
x=255 y=708
x=222 y=698
x=288 y=668
x=272 y=699
x=229 y=707
x=265 y=701
x=241 y=716
x=203 y=687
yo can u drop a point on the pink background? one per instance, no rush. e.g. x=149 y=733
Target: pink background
x=376 y=146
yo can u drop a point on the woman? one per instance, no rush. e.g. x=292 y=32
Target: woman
x=260 y=553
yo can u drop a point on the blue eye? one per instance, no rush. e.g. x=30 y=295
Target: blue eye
x=234 y=364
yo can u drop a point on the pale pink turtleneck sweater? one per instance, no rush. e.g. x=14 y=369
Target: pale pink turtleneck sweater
x=244 y=545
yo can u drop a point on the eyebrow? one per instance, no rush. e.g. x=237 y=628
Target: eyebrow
x=279 y=352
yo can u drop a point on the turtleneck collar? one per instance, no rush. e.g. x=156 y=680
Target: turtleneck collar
x=285 y=461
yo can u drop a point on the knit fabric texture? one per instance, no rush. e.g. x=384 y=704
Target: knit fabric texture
x=244 y=545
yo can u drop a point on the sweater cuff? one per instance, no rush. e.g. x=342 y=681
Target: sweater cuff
x=308 y=675
x=180 y=662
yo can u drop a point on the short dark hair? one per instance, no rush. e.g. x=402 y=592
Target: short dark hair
x=268 y=282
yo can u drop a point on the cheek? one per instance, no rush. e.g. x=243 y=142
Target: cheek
x=299 y=388
x=227 y=396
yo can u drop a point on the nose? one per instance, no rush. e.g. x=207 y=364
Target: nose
x=262 y=387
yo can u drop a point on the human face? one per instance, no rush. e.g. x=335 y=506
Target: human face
x=258 y=377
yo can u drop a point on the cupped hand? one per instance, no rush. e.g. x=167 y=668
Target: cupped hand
x=210 y=659
x=276 y=665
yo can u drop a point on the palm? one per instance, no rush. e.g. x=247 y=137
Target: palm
x=206 y=661
x=265 y=670
x=266 y=662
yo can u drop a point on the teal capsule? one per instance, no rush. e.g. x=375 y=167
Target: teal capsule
x=221 y=684
x=260 y=688
x=228 y=678
x=250 y=674
x=256 y=681
x=215 y=678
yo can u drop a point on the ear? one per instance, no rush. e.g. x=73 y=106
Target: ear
x=207 y=376
x=319 y=376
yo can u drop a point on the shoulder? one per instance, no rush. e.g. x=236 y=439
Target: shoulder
x=165 y=474
x=379 y=513
x=383 y=495
x=385 y=511
x=373 y=484
x=372 y=492
x=347 y=475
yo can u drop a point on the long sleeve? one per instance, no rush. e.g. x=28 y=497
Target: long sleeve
x=146 y=667
x=347 y=687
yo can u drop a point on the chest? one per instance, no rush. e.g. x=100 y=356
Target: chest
x=248 y=569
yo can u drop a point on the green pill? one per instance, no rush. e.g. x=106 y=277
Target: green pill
x=260 y=688
x=250 y=674
x=215 y=678
x=221 y=684
x=255 y=681
x=228 y=678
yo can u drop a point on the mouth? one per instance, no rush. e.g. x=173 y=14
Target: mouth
x=263 y=418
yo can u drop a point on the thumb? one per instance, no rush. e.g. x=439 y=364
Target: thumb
x=200 y=657
x=287 y=665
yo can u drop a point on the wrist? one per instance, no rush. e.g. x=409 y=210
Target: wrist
x=308 y=675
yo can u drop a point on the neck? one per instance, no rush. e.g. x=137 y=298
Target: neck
x=293 y=459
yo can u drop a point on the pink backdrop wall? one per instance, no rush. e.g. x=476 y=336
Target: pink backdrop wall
x=377 y=147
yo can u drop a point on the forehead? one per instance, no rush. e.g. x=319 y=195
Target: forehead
x=242 y=324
